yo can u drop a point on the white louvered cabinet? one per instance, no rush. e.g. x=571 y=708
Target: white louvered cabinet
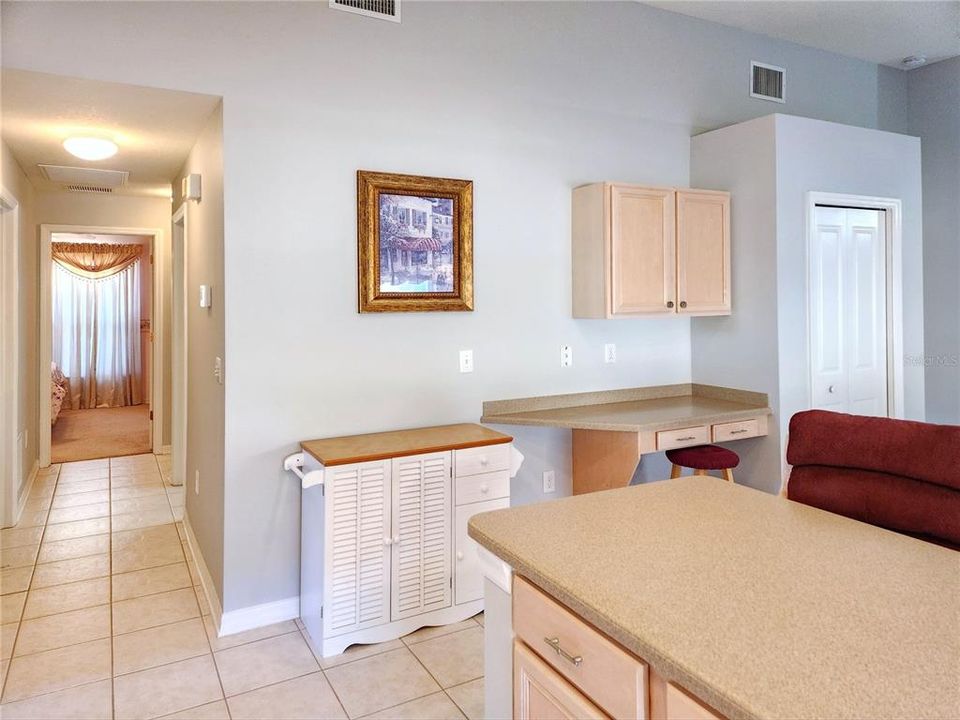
x=383 y=552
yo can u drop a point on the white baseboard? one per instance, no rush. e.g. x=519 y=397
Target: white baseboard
x=248 y=618
x=165 y=450
x=22 y=500
x=206 y=579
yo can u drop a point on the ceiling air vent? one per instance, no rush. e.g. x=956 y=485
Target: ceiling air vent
x=766 y=81
x=88 y=188
x=93 y=177
x=383 y=9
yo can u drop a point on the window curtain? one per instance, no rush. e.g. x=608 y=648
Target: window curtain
x=96 y=323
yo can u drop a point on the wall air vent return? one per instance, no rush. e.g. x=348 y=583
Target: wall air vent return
x=88 y=188
x=383 y=9
x=767 y=81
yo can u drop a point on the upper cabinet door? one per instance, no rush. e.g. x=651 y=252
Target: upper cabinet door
x=422 y=545
x=703 y=252
x=642 y=250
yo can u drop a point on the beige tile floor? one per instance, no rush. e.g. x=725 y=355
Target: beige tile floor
x=101 y=616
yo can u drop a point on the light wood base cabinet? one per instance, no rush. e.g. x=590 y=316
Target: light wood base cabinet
x=640 y=251
x=566 y=668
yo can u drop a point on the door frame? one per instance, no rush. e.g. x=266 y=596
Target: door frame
x=179 y=343
x=893 y=219
x=157 y=323
x=10 y=505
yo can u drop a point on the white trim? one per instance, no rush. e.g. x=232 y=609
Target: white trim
x=27 y=487
x=206 y=579
x=46 y=321
x=179 y=341
x=165 y=450
x=10 y=470
x=893 y=215
x=255 y=616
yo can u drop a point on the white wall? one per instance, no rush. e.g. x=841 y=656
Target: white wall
x=526 y=99
x=770 y=165
x=205 y=341
x=15 y=181
x=934 y=115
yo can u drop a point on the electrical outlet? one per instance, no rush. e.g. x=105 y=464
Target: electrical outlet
x=609 y=353
x=466 y=361
x=549 y=481
x=566 y=356
x=218 y=369
x=196 y=482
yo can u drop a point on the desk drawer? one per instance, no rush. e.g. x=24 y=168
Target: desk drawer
x=684 y=437
x=488 y=458
x=735 y=430
x=477 y=488
x=607 y=674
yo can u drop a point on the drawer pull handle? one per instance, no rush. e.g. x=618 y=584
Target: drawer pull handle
x=737 y=432
x=689 y=437
x=555 y=644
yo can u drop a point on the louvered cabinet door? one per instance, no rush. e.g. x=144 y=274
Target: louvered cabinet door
x=357 y=541
x=422 y=548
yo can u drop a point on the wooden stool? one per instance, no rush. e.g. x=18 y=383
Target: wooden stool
x=702 y=458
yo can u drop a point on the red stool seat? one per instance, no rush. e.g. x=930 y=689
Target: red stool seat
x=704 y=457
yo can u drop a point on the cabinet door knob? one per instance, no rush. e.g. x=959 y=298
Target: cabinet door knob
x=388 y=541
x=396 y=539
x=459 y=556
x=683 y=303
x=670 y=303
x=484 y=488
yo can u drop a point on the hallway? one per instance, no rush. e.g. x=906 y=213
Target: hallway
x=103 y=617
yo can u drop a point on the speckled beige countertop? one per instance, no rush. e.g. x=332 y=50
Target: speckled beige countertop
x=763 y=607
x=663 y=407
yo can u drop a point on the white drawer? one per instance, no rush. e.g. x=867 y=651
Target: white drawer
x=684 y=437
x=735 y=430
x=477 y=488
x=488 y=458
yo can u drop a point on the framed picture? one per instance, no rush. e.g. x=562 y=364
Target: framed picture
x=415 y=238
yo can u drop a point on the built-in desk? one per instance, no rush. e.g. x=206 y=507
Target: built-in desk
x=613 y=429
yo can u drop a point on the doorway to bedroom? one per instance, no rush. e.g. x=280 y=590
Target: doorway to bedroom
x=101 y=294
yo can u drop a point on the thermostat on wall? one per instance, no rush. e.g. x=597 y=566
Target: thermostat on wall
x=190 y=187
x=206 y=297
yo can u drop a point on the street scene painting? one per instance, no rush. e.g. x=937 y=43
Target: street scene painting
x=416 y=244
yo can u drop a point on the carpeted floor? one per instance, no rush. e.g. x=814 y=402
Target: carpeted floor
x=100 y=433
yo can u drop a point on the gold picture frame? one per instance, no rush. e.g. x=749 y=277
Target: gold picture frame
x=415 y=243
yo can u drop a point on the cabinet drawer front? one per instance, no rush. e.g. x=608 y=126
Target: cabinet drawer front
x=607 y=674
x=668 y=439
x=488 y=458
x=681 y=706
x=735 y=430
x=477 y=488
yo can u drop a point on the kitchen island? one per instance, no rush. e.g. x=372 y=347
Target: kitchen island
x=727 y=601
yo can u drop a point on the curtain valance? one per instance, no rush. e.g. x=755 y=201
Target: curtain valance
x=95 y=260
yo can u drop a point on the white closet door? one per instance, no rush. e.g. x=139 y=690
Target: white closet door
x=357 y=527
x=422 y=509
x=848 y=313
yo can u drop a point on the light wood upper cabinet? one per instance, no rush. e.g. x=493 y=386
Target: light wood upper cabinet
x=640 y=251
x=703 y=252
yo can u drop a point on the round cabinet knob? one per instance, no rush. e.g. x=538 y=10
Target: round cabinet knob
x=484 y=488
x=396 y=539
x=459 y=556
x=683 y=303
x=670 y=303
x=388 y=541
x=484 y=461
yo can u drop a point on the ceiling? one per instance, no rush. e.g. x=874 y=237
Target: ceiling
x=881 y=32
x=154 y=128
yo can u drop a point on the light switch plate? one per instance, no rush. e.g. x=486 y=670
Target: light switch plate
x=206 y=296
x=466 y=361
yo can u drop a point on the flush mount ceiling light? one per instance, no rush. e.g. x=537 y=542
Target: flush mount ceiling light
x=90 y=148
x=913 y=61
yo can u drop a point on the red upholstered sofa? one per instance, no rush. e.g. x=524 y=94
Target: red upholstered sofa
x=896 y=474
